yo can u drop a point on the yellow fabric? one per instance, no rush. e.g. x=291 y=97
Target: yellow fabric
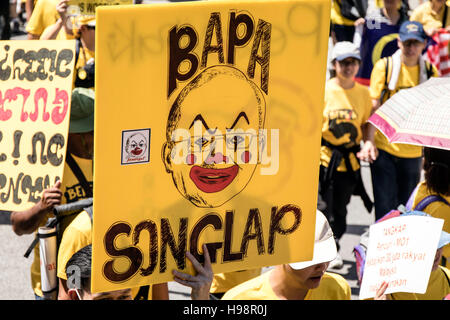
x=436 y=209
x=72 y=191
x=350 y=106
x=76 y=236
x=428 y=17
x=44 y=15
x=337 y=17
x=62 y=35
x=438 y=287
x=332 y=287
x=408 y=77
x=223 y=282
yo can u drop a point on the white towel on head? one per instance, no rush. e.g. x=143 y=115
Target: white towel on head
x=396 y=67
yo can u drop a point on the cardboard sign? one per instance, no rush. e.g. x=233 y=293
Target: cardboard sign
x=401 y=252
x=35 y=95
x=87 y=7
x=207 y=130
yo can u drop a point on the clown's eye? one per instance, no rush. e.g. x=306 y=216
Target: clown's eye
x=201 y=142
x=141 y=144
x=235 y=142
x=133 y=145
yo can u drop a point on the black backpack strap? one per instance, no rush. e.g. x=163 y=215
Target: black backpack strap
x=429 y=68
x=386 y=83
x=79 y=174
x=444 y=18
x=77 y=50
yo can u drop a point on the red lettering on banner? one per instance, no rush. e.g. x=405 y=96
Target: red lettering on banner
x=58 y=114
x=41 y=93
x=11 y=95
x=61 y=96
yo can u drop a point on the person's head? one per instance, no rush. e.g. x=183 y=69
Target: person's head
x=437 y=170
x=392 y=4
x=308 y=274
x=346 y=59
x=220 y=113
x=81 y=128
x=78 y=270
x=438 y=4
x=412 y=40
x=84 y=27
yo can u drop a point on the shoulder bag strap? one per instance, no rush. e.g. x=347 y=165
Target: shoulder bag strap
x=79 y=174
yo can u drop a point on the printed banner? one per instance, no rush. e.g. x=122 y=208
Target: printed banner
x=35 y=92
x=207 y=130
x=87 y=7
x=399 y=250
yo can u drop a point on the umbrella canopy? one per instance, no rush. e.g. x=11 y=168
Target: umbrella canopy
x=418 y=115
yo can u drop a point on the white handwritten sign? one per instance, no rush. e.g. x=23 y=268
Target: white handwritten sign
x=401 y=252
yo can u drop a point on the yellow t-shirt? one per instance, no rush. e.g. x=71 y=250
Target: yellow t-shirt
x=336 y=15
x=345 y=111
x=408 y=77
x=223 y=282
x=332 y=287
x=76 y=236
x=429 y=18
x=72 y=191
x=436 y=209
x=438 y=287
x=62 y=35
x=44 y=15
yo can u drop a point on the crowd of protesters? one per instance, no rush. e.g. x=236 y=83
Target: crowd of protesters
x=379 y=48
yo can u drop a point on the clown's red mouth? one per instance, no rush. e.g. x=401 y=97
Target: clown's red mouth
x=136 y=151
x=213 y=180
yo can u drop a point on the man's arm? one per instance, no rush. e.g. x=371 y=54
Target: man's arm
x=369 y=151
x=160 y=291
x=29 y=7
x=26 y=222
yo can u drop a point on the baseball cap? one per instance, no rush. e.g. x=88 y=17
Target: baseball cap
x=412 y=30
x=445 y=237
x=85 y=20
x=82 y=110
x=325 y=249
x=345 y=49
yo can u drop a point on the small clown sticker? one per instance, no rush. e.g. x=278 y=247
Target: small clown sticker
x=136 y=146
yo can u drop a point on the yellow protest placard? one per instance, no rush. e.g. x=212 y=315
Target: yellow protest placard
x=35 y=95
x=87 y=7
x=207 y=130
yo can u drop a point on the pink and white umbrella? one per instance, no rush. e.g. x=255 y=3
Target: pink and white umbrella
x=418 y=115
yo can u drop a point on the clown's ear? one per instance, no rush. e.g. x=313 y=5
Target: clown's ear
x=166 y=155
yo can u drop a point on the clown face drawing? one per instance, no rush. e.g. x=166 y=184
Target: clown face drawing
x=136 y=146
x=219 y=113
